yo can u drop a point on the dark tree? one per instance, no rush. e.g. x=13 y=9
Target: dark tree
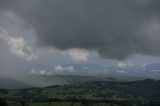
x=2 y=102
x=85 y=103
x=23 y=103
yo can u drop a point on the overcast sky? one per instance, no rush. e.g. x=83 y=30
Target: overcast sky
x=53 y=32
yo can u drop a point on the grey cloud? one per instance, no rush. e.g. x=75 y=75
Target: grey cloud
x=115 y=28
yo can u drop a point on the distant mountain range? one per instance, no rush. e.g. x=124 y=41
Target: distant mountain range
x=77 y=73
x=49 y=80
x=8 y=83
x=148 y=71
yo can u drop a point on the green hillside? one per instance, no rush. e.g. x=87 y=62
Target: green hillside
x=99 y=92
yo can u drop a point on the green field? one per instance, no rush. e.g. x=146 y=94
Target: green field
x=99 y=93
x=60 y=104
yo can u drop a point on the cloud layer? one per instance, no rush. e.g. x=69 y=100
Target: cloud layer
x=18 y=46
x=79 y=54
x=61 y=68
x=114 y=28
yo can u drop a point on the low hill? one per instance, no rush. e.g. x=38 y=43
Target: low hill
x=9 y=83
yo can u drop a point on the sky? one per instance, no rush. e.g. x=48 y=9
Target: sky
x=52 y=33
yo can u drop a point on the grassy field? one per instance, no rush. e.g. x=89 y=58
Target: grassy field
x=59 y=104
x=136 y=93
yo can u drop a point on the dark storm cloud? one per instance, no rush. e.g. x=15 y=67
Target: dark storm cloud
x=115 y=28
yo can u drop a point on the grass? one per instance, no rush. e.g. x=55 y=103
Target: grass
x=58 y=104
